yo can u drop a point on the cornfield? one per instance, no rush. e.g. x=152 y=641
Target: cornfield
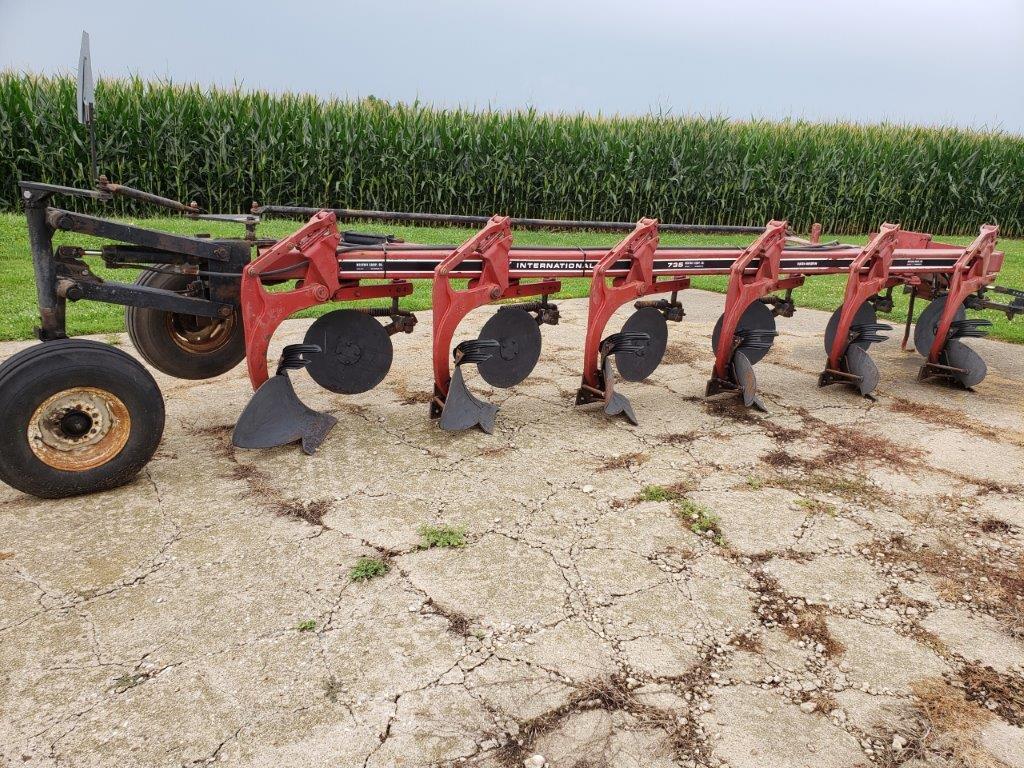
x=227 y=148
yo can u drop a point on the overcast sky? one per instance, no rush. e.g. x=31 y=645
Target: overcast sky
x=917 y=61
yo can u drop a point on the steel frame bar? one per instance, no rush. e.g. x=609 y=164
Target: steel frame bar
x=869 y=274
x=327 y=269
x=495 y=270
x=490 y=246
x=638 y=250
x=971 y=271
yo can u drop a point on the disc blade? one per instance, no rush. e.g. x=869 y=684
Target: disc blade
x=927 y=324
x=638 y=365
x=865 y=315
x=959 y=355
x=756 y=317
x=860 y=364
x=519 y=336
x=357 y=352
x=275 y=416
x=462 y=410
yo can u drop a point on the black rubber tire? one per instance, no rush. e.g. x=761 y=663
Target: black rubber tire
x=149 y=330
x=35 y=374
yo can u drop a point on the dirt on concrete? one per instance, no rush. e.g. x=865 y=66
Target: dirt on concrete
x=837 y=583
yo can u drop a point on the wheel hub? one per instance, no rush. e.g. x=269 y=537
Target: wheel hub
x=199 y=334
x=348 y=353
x=78 y=429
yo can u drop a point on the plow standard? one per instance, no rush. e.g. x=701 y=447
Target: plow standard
x=84 y=416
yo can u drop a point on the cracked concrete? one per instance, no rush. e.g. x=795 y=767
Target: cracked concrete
x=197 y=616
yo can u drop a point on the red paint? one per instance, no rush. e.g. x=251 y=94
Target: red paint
x=869 y=274
x=312 y=252
x=744 y=289
x=449 y=305
x=971 y=272
x=605 y=297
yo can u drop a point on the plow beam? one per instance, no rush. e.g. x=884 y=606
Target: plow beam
x=869 y=274
x=309 y=256
x=490 y=246
x=971 y=272
x=638 y=249
x=762 y=258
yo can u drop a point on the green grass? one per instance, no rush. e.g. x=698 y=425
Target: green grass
x=444 y=536
x=308 y=625
x=18 y=286
x=660 y=493
x=367 y=568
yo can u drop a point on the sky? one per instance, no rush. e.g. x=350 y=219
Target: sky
x=931 y=62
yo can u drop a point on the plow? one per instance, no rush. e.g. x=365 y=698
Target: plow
x=84 y=416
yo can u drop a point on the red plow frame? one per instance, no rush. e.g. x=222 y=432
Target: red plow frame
x=82 y=416
x=637 y=267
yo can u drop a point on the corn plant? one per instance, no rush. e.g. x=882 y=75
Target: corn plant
x=226 y=148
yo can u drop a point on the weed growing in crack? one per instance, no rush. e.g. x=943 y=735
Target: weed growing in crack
x=663 y=493
x=702 y=520
x=792 y=615
x=1001 y=693
x=443 y=536
x=937 y=726
x=308 y=625
x=367 y=568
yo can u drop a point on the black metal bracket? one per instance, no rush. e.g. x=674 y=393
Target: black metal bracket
x=782 y=306
x=671 y=309
x=203 y=248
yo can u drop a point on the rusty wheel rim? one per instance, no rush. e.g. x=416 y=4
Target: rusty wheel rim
x=199 y=335
x=79 y=429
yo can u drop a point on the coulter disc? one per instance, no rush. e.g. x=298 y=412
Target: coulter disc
x=638 y=365
x=959 y=355
x=519 y=336
x=756 y=317
x=927 y=324
x=866 y=315
x=357 y=352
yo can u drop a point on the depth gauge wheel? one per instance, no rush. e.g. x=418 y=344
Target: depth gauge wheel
x=184 y=346
x=79 y=416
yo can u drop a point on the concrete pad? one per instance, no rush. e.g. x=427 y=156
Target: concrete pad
x=193 y=616
x=760 y=728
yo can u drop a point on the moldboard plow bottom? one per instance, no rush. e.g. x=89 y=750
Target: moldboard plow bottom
x=202 y=304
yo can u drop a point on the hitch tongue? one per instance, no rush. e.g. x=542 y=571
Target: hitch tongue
x=275 y=415
x=462 y=409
